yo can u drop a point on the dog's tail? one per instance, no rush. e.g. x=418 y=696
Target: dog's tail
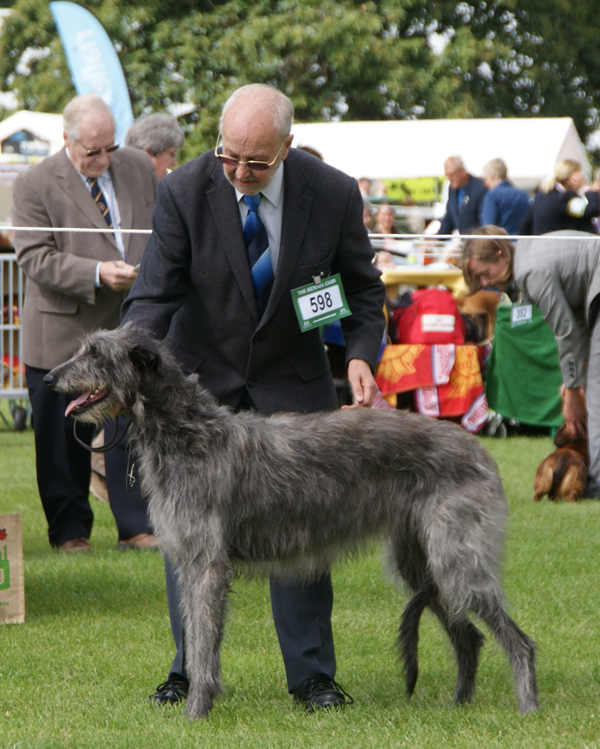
x=408 y=634
x=562 y=464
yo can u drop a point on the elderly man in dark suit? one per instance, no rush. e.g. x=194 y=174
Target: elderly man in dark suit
x=226 y=311
x=465 y=198
x=76 y=282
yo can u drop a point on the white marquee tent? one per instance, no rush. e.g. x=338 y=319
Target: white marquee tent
x=46 y=128
x=25 y=137
x=418 y=148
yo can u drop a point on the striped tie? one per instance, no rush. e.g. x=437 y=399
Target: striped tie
x=257 y=243
x=99 y=200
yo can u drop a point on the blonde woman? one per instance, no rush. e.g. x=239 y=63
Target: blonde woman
x=564 y=201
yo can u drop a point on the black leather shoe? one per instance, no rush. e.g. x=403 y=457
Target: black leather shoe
x=321 y=691
x=173 y=690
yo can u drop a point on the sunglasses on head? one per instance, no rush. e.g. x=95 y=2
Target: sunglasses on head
x=98 y=151
x=255 y=166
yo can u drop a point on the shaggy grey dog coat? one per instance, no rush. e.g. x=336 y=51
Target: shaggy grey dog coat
x=288 y=494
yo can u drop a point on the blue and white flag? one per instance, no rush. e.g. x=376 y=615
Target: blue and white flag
x=93 y=61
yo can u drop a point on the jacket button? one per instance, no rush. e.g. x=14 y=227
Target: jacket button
x=250 y=383
x=255 y=340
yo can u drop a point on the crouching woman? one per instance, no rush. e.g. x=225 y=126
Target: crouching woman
x=560 y=274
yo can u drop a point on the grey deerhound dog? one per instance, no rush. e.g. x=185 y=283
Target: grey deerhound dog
x=288 y=494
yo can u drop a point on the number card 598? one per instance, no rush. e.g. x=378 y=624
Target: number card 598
x=320 y=303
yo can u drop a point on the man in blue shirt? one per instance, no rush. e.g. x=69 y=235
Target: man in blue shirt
x=504 y=204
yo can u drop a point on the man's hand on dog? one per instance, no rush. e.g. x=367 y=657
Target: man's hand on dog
x=574 y=413
x=364 y=387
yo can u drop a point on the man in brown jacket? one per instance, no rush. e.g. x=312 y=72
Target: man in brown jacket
x=76 y=282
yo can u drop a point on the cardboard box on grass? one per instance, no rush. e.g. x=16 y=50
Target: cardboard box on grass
x=12 y=587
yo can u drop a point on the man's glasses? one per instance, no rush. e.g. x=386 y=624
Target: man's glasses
x=98 y=151
x=256 y=166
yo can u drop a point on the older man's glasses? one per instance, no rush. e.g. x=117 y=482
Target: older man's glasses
x=256 y=166
x=97 y=151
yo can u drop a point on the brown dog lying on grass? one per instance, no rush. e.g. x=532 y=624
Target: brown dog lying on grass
x=563 y=474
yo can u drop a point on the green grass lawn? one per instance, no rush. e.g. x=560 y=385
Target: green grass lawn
x=96 y=642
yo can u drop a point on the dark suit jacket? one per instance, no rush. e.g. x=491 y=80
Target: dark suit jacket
x=195 y=290
x=467 y=215
x=550 y=212
x=61 y=300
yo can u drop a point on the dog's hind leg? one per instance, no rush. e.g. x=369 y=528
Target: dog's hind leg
x=544 y=478
x=467 y=640
x=519 y=649
x=204 y=588
x=408 y=635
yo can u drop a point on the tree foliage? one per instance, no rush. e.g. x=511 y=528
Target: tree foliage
x=351 y=60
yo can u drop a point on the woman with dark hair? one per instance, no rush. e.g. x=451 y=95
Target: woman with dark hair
x=560 y=274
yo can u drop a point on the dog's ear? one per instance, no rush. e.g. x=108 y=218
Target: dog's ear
x=145 y=359
x=563 y=436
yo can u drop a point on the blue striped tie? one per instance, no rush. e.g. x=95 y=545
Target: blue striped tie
x=257 y=244
x=98 y=196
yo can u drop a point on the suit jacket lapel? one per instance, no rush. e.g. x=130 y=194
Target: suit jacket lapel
x=69 y=180
x=225 y=212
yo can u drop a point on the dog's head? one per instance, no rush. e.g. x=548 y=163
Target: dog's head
x=563 y=437
x=107 y=373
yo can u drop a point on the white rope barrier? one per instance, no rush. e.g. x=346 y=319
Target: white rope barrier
x=425 y=237
x=87 y=230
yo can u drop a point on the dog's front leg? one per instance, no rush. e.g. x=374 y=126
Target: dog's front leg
x=204 y=586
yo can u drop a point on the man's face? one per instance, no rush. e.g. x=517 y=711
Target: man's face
x=457 y=176
x=250 y=138
x=96 y=130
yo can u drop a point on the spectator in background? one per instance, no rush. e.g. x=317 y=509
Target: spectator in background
x=385 y=224
x=364 y=185
x=465 y=198
x=385 y=220
x=160 y=136
x=367 y=214
x=504 y=204
x=564 y=201
x=312 y=151
x=75 y=283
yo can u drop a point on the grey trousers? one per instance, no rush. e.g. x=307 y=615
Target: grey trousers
x=592 y=402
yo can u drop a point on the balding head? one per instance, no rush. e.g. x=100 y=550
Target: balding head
x=455 y=172
x=255 y=126
x=263 y=101
x=85 y=107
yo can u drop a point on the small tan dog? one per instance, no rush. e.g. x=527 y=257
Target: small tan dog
x=483 y=302
x=563 y=474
